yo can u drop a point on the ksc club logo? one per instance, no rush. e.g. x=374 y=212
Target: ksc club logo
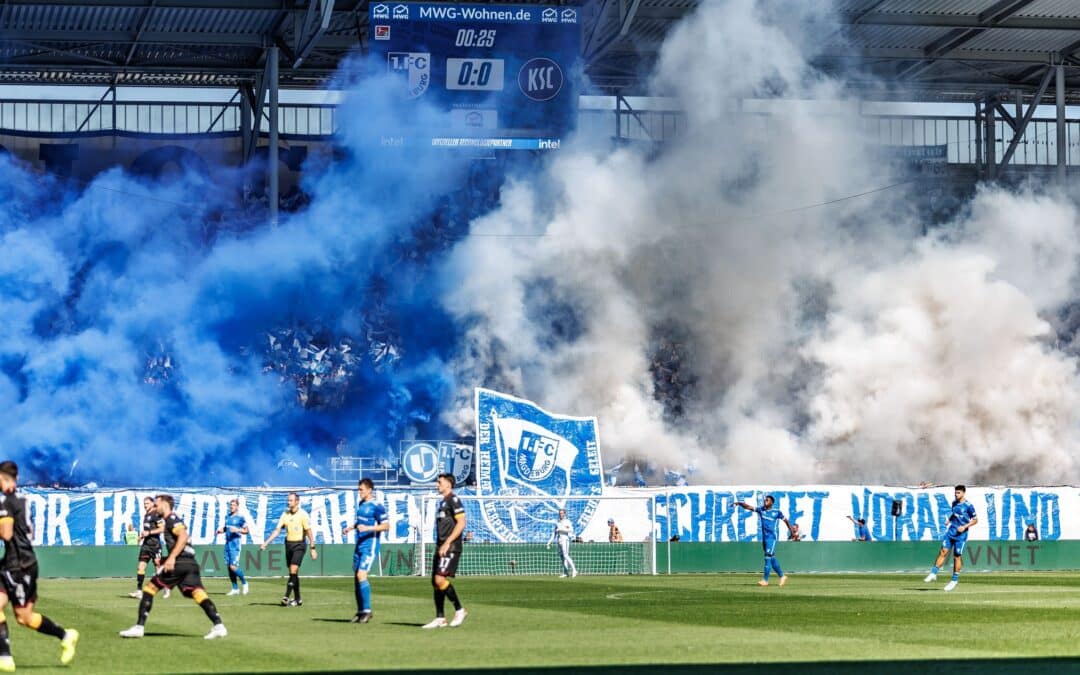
x=420 y=462
x=414 y=67
x=523 y=451
x=540 y=79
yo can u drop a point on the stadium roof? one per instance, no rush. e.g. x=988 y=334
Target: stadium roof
x=955 y=49
x=908 y=49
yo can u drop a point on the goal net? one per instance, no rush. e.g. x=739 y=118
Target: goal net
x=516 y=535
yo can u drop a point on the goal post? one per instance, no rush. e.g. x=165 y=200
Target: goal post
x=515 y=535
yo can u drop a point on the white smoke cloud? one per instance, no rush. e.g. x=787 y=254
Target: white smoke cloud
x=836 y=342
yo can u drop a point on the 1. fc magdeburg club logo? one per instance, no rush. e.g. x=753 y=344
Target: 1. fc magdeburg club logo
x=522 y=457
x=414 y=68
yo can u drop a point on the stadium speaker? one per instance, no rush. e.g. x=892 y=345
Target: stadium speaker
x=897 y=507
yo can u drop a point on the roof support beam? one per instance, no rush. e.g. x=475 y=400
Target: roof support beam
x=1021 y=128
x=110 y=90
x=138 y=32
x=1005 y=116
x=628 y=10
x=316 y=21
x=255 y=97
x=923 y=20
x=993 y=15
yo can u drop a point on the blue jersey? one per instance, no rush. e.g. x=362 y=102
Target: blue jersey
x=768 y=519
x=962 y=514
x=237 y=521
x=862 y=532
x=369 y=513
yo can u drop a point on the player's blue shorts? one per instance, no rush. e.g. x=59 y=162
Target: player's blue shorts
x=232 y=554
x=954 y=543
x=365 y=555
x=769 y=545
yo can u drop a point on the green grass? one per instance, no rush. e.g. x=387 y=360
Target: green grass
x=702 y=624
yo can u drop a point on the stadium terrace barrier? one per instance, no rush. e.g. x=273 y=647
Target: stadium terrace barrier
x=674 y=558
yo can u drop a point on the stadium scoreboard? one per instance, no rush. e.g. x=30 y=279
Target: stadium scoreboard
x=497 y=76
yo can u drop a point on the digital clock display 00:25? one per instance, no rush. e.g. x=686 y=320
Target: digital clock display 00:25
x=474 y=74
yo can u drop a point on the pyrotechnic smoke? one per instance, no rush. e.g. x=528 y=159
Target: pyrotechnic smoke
x=759 y=298
x=848 y=341
x=140 y=318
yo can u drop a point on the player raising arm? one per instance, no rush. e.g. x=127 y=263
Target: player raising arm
x=767 y=517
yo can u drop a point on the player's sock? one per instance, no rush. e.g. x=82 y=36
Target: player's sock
x=359 y=595
x=139 y=579
x=44 y=625
x=5 y=643
x=767 y=571
x=240 y=576
x=207 y=605
x=776 y=567
x=365 y=594
x=145 y=605
x=934 y=569
x=452 y=594
x=232 y=578
x=440 y=602
x=296 y=587
x=956 y=576
x=289 y=586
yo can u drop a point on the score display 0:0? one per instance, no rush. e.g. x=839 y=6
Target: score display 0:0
x=474 y=74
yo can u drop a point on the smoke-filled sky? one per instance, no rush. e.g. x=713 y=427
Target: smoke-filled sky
x=686 y=297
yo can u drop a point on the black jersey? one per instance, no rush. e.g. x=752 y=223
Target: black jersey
x=19 y=551
x=450 y=509
x=151 y=521
x=174 y=525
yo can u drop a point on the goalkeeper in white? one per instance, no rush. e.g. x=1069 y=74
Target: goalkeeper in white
x=564 y=530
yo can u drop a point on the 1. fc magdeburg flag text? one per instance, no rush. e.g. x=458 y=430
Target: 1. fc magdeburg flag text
x=524 y=451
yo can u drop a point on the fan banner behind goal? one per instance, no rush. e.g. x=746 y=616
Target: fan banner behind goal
x=524 y=450
x=699 y=513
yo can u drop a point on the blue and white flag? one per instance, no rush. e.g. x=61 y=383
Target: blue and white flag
x=523 y=450
x=456 y=459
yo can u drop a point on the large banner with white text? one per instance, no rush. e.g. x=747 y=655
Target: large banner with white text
x=704 y=514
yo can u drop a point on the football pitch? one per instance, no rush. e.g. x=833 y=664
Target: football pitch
x=992 y=623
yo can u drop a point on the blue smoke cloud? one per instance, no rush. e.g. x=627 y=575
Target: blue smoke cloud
x=136 y=346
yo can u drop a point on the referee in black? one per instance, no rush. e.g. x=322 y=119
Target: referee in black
x=449 y=526
x=297 y=528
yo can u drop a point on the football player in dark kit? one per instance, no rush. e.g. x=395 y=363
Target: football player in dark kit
x=19 y=572
x=150 y=544
x=178 y=569
x=449 y=526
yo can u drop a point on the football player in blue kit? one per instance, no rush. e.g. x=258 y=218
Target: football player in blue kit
x=961 y=519
x=234 y=530
x=371 y=520
x=768 y=517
